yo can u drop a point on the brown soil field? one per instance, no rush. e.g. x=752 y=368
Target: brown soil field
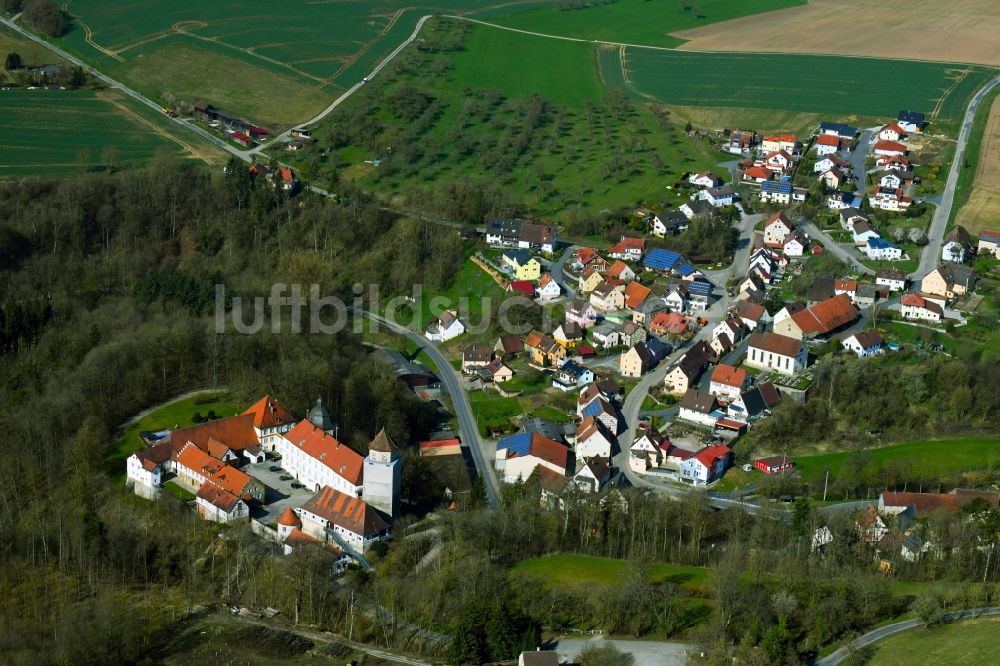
x=955 y=31
x=982 y=210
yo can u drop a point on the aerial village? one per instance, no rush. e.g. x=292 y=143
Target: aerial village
x=655 y=363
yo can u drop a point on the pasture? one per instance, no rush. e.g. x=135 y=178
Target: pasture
x=910 y=29
x=30 y=52
x=830 y=85
x=63 y=131
x=933 y=458
x=982 y=192
x=583 y=572
x=964 y=643
x=636 y=21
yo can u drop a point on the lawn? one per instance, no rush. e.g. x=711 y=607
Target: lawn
x=175 y=415
x=936 y=458
x=552 y=414
x=968 y=642
x=30 y=52
x=472 y=291
x=64 y=131
x=581 y=571
x=636 y=21
x=183 y=494
x=492 y=411
x=832 y=85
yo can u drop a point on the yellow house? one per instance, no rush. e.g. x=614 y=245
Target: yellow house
x=543 y=349
x=949 y=280
x=589 y=280
x=523 y=265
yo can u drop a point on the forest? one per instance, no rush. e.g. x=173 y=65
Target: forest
x=107 y=283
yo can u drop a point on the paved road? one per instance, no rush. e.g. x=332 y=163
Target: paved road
x=833 y=247
x=558 y=272
x=481 y=452
x=644 y=653
x=205 y=134
x=891 y=629
x=353 y=89
x=939 y=223
x=858 y=156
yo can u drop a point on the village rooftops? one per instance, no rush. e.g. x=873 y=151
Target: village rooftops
x=236 y=432
x=537 y=445
x=827 y=315
x=729 y=375
x=350 y=513
x=217 y=496
x=325 y=448
x=267 y=413
x=775 y=343
x=696 y=401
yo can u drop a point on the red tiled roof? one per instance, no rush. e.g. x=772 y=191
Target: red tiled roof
x=635 y=294
x=440 y=443
x=827 y=315
x=350 y=513
x=230 y=479
x=922 y=502
x=317 y=444
x=729 y=375
x=828 y=140
x=759 y=173
x=617 y=268
x=845 y=285
x=893 y=146
x=236 y=432
x=775 y=343
x=216 y=496
x=628 y=244
x=708 y=455
x=523 y=286
x=288 y=517
x=198 y=461
x=267 y=413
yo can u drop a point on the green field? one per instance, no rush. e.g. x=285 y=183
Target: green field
x=180 y=493
x=964 y=643
x=493 y=411
x=582 y=571
x=836 y=86
x=175 y=415
x=936 y=458
x=637 y=21
x=62 y=131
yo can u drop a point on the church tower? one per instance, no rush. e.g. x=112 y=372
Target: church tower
x=383 y=475
x=321 y=418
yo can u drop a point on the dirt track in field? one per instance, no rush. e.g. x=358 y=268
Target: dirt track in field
x=982 y=211
x=955 y=31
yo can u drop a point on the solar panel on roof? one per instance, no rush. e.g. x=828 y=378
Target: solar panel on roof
x=519 y=443
x=685 y=269
x=697 y=287
x=660 y=259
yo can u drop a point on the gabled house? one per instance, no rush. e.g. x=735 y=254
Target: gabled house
x=949 y=280
x=518 y=233
x=776 y=191
x=608 y=296
x=862 y=231
x=476 y=356
x=216 y=504
x=602 y=410
x=445 y=327
x=777 y=353
x=757 y=175
x=840 y=130
x=833 y=178
x=636 y=361
x=879 y=249
x=786 y=142
x=839 y=200
x=519 y=455
x=649 y=308
x=342 y=518
x=827 y=144
x=635 y=295
x=581 y=313
x=958 y=246
x=754 y=403
x=989 y=244
x=706 y=466
x=318 y=459
x=662 y=261
x=592 y=474
x=915 y=306
x=851 y=216
x=569 y=335
x=777 y=227
x=627 y=249
x=778 y=161
x=845 y=286
x=705 y=179
x=728 y=382
x=572 y=376
x=911 y=121
x=498 y=372
x=548 y=288
x=891 y=132
x=670 y=224
x=270 y=420
x=605 y=335
x=523 y=287
x=593 y=439
x=509 y=345
x=892 y=163
x=890 y=149
x=620 y=271
x=893 y=278
x=828 y=162
x=699 y=407
x=864 y=343
x=522 y=265
x=669 y=323
x=795 y=244
x=889 y=198
x=646 y=450
x=631 y=333
x=753 y=315
x=543 y=350
x=822 y=318
x=720 y=196
x=696 y=208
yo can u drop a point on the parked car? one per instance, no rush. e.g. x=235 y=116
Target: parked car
x=297 y=485
x=285 y=477
x=274 y=468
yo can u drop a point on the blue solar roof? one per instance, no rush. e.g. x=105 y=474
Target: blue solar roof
x=685 y=269
x=660 y=259
x=519 y=443
x=879 y=244
x=839 y=128
x=593 y=409
x=782 y=187
x=699 y=287
x=520 y=256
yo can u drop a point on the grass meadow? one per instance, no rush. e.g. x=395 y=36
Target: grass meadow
x=637 y=21
x=964 y=643
x=935 y=458
x=65 y=131
x=583 y=571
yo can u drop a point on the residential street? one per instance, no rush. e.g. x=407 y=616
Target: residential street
x=939 y=222
x=832 y=246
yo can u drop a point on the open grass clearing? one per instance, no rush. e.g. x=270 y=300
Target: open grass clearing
x=175 y=415
x=65 y=131
x=963 y=643
x=175 y=490
x=894 y=29
x=492 y=411
x=32 y=54
x=831 y=85
x=583 y=571
x=933 y=458
x=981 y=193
x=636 y=21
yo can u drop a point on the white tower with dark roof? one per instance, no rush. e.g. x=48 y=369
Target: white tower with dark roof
x=383 y=475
